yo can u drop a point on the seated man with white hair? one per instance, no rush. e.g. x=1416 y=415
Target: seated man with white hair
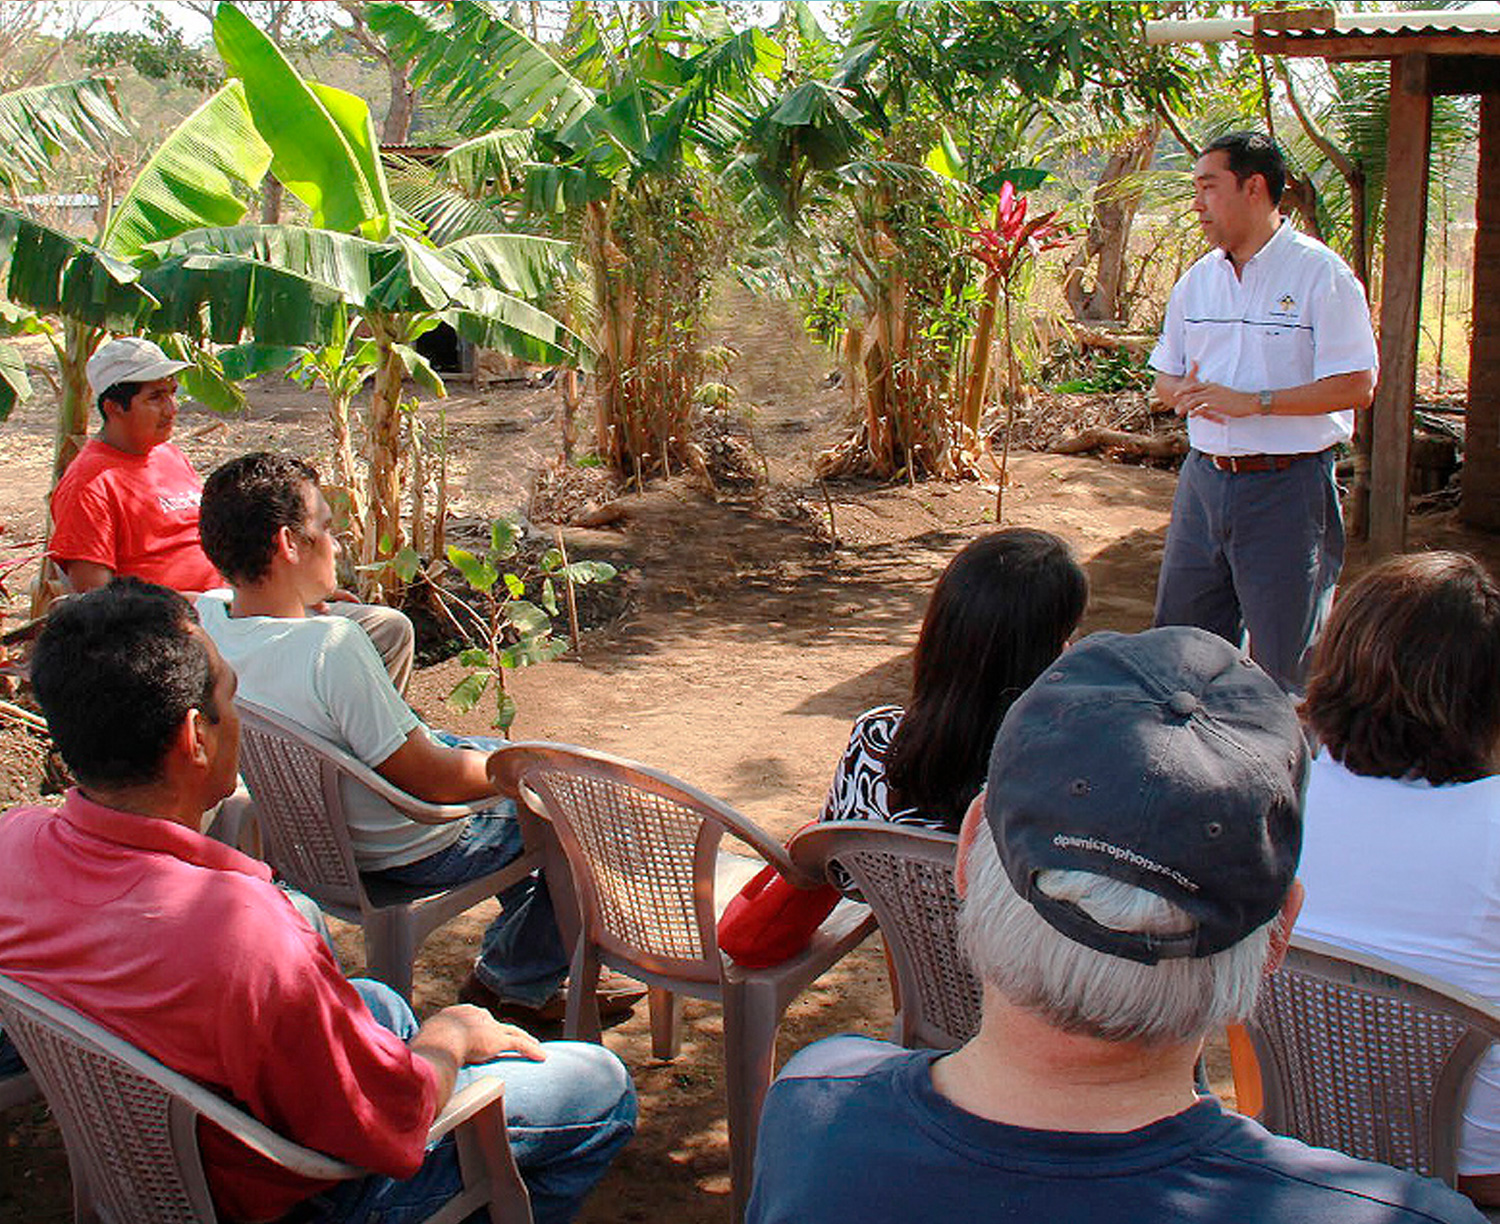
x=1128 y=877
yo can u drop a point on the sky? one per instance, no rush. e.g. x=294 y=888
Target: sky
x=129 y=15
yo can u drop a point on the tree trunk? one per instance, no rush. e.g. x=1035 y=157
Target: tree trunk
x=79 y=343
x=383 y=534
x=343 y=457
x=270 y=201
x=979 y=356
x=397 y=124
x=1359 y=217
x=1109 y=233
x=1301 y=197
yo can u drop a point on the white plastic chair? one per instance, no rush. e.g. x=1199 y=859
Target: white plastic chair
x=906 y=876
x=130 y=1125
x=1364 y=1056
x=294 y=779
x=638 y=881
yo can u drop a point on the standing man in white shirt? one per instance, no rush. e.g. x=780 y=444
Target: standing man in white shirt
x=1267 y=350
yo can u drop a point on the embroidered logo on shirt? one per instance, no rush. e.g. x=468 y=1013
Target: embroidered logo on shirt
x=1286 y=307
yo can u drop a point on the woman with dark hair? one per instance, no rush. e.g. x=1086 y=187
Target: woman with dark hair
x=1401 y=840
x=1002 y=611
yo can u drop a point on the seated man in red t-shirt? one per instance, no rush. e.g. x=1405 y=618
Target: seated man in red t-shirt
x=128 y=504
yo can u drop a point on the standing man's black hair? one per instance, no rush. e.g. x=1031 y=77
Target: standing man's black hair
x=1253 y=153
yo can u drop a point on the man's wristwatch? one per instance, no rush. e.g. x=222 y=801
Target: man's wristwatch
x=1265 y=402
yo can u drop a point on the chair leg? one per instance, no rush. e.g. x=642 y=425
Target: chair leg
x=581 y=1022
x=390 y=949
x=666 y=1022
x=752 y=1015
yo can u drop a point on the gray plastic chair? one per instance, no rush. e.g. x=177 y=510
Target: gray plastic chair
x=130 y=1125
x=638 y=881
x=906 y=875
x=293 y=776
x=1367 y=1057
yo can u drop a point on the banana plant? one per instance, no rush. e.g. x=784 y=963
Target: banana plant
x=626 y=141
x=361 y=253
x=200 y=175
x=35 y=125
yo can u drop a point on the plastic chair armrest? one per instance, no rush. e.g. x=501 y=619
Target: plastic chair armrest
x=466 y=1103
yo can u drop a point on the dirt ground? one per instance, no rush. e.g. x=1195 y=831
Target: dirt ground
x=748 y=645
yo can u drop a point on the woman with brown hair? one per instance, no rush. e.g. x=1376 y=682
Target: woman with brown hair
x=1401 y=842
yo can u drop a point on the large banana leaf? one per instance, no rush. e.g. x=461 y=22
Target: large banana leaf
x=225 y=297
x=312 y=156
x=37 y=123
x=444 y=210
x=517 y=263
x=199 y=176
x=494 y=158
x=343 y=262
x=54 y=273
x=400 y=274
x=352 y=114
x=487 y=69
x=496 y=320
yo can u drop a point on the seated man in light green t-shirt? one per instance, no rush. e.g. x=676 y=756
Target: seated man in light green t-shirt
x=267 y=528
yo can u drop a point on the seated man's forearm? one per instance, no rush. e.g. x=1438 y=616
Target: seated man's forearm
x=436 y=773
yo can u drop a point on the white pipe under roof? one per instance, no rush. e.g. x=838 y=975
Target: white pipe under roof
x=1409 y=21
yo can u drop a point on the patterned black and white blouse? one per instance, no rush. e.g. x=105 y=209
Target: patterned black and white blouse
x=859 y=791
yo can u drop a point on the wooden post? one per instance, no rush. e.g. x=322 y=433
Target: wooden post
x=1400 y=302
x=1480 y=503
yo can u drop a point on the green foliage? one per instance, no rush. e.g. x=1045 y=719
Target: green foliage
x=158 y=52
x=508 y=630
x=1111 y=370
x=38 y=123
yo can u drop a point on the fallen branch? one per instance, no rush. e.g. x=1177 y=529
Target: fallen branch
x=1149 y=446
x=25 y=717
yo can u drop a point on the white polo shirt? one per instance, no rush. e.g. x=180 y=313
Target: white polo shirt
x=1295 y=315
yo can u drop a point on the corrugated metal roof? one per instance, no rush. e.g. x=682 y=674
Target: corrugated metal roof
x=1406 y=23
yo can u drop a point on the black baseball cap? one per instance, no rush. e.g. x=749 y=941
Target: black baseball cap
x=1168 y=760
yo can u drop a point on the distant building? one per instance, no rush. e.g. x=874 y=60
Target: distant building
x=72 y=212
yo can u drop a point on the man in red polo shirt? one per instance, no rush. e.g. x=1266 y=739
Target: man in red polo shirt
x=116 y=906
x=128 y=504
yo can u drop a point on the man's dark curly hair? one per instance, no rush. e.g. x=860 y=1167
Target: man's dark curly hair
x=116 y=671
x=245 y=503
x=1406 y=677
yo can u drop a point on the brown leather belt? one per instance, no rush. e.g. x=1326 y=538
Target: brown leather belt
x=1257 y=463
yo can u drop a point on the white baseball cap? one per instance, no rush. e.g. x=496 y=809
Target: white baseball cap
x=129 y=359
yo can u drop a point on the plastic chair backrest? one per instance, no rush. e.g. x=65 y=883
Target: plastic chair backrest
x=642 y=848
x=906 y=876
x=293 y=776
x=1367 y=1057
x=130 y=1123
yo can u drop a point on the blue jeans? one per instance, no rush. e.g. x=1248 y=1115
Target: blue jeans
x=521 y=957
x=565 y=1117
